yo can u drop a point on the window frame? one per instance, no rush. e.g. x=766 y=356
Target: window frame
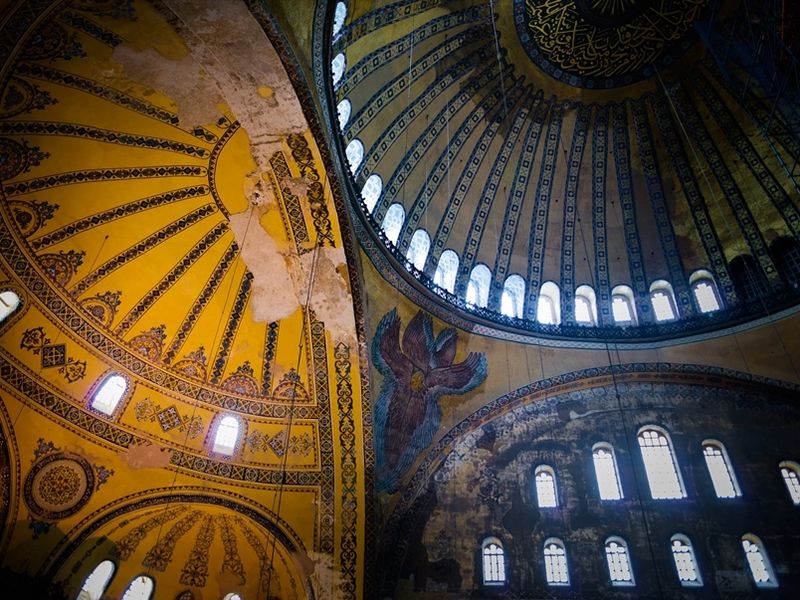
x=133 y=580
x=624 y=545
x=394 y=209
x=439 y=275
x=607 y=447
x=481 y=287
x=354 y=166
x=371 y=202
x=120 y=402
x=587 y=294
x=550 y=293
x=674 y=458
x=418 y=262
x=625 y=293
x=794 y=467
x=772 y=581
x=662 y=286
x=334 y=79
x=488 y=541
x=554 y=541
x=699 y=277
x=726 y=460
x=106 y=583
x=241 y=434
x=517 y=302
x=9 y=311
x=546 y=469
x=698 y=581
x=343 y=122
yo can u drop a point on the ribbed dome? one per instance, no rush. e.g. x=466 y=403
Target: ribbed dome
x=619 y=160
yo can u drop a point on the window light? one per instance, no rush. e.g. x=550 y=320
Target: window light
x=619 y=563
x=662 y=305
x=719 y=467
x=605 y=470
x=446 y=271
x=226 y=436
x=494 y=568
x=685 y=561
x=371 y=191
x=418 y=249
x=339 y=15
x=393 y=222
x=232 y=596
x=9 y=302
x=513 y=299
x=585 y=305
x=108 y=395
x=555 y=562
x=94 y=586
x=141 y=588
x=758 y=561
x=546 y=496
x=355 y=154
x=343 y=110
x=791 y=477
x=337 y=68
x=548 y=305
x=660 y=465
x=705 y=291
x=622 y=308
x=478 y=287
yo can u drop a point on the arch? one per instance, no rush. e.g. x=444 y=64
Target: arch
x=623 y=308
x=748 y=279
x=338 y=65
x=355 y=154
x=585 y=305
x=95 y=584
x=140 y=588
x=107 y=397
x=705 y=292
x=233 y=595
x=720 y=469
x=446 y=271
x=685 y=561
x=785 y=252
x=660 y=464
x=662 y=299
x=371 y=191
x=618 y=560
x=226 y=435
x=339 y=16
x=393 y=222
x=758 y=562
x=480 y=279
x=790 y=471
x=548 y=304
x=512 y=301
x=556 y=571
x=343 y=111
x=9 y=302
x=546 y=491
x=606 y=471
x=418 y=249
x=493 y=562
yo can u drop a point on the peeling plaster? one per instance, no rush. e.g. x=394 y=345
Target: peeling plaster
x=149 y=456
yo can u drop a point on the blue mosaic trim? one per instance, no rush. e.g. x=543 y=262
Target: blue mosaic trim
x=402 y=46
x=655 y=191
x=570 y=209
x=489 y=193
x=232 y=326
x=89 y=27
x=633 y=245
x=741 y=211
x=744 y=147
x=467 y=177
x=599 y=171
x=270 y=349
x=695 y=200
x=433 y=60
x=398 y=125
x=383 y=16
x=425 y=141
x=519 y=191
x=543 y=195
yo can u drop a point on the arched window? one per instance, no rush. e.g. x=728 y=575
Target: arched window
x=622 y=306
x=605 y=470
x=513 y=298
x=663 y=300
x=141 y=588
x=393 y=222
x=494 y=565
x=372 y=189
x=785 y=252
x=9 y=302
x=555 y=562
x=355 y=154
x=418 y=249
x=446 y=271
x=748 y=278
x=546 y=495
x=226 y=436
x=337 y=68
x=619 y=563
x=478 y=287
x=791 y=477
x=339 y=15
x=96 y=583
x=705 y=291
x=548 y=305
x=343 y=110
x=585 y=305
x=720 y=469
x=660 y=464
x=758 y=561
x=233 y=596
x=685 y=561
x=108 y=395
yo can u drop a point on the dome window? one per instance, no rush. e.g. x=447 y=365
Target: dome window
x=446 y=271
x=758 y=561
x=227 y=436
x=494 y=564
x=513 y=299
x=141 y=588
x=619 y=562
x=548 y=305
x=339 y=16
x=478 y=287
x=685 y=561
x=418 y=249
x=337 y=68
x=355 y=154
x=663 y=300
x=546 y=496
x=393 y=222
x=107 y=397
x=94 y=586
x=720 y=470
x=606 y=472
x=622 y=306
x=343 y=110
x=585 y=305
x=790 y=471
x=555 y=562
x=9 y=302
x=660 y=465
x=372 y=190
x=705 y=292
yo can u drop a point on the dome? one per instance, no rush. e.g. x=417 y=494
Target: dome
x=567 y=145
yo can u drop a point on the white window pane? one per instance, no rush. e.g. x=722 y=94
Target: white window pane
x=418 y=249
x=140 y=589
x=343 y=110
x=97 y=581
x=355 y=154
x=110 y=393
x=337 y=68
x=685 y=563
x=706 y=297
x=605 y=469
x=792 y=481
x=372 y=190
x=621 y=309
x=662 y=305
x=759 y=564
x=494 y=570
x=555 y=564
x=446 y=271
x=393 y=222
x=9 y=301
x=226 y=436
x=545 y=311
x=583 y=310
x=660 y=467
x=512 y=300
x=339 y=15
x=619 y=564
x=478 y=288
x=720 y=471
x=546 y=490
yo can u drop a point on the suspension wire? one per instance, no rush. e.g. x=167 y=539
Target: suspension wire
x=497 y=56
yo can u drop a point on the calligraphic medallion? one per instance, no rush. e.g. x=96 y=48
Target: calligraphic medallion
x=605 y=43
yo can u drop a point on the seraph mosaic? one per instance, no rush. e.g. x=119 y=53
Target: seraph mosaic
x=417 y=372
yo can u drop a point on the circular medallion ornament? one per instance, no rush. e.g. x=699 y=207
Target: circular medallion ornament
x=605 y=43
x=58 y=486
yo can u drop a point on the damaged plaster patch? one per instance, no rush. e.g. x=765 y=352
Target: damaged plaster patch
x=146 y=456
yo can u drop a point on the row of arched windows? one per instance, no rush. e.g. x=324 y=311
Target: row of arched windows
x=140 y=588
x=619 y=564
x=662 y=471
